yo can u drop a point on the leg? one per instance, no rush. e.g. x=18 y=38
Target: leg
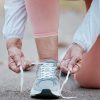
x=44 y=16
x=47 y=47
x=88 y=3
x=89 y=75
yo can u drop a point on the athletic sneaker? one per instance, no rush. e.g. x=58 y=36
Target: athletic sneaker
x=47 y=82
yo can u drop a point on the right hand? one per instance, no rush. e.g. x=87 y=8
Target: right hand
x=72 y=59
x=15 y=56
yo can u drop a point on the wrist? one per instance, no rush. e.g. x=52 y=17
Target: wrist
x=14 y=42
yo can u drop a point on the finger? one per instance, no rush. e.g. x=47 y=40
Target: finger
x=64 y=65
x=23 y=62
x=64 y=69
x=79 y=63
x=26 y=64
x=67 y=55
x=75 y=69
x=72 y=63
x=12 y=66
x=17 y=60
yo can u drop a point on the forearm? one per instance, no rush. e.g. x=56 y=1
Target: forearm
x=15 y=19
x=89 y=30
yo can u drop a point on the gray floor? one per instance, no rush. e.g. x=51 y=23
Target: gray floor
x=9 y=81
x=9 y=87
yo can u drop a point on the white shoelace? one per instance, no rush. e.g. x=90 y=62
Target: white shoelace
x=45 y=73
x=21 y=78
x=63 y=84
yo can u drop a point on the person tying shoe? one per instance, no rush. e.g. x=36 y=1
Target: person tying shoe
x=45 y=20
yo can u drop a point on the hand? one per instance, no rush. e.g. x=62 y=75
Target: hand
x=15 y=56
x=72 y=59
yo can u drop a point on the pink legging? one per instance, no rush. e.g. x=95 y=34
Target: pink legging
x=44 y=16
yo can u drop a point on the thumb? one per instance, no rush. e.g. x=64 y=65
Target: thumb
x=72 y=63
x=77 y=67
x=17 y=59
x=68 y=54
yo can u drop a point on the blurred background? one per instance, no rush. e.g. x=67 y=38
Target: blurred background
x=71 y=15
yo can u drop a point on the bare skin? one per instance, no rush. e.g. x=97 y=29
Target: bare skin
x=75 y=53
x=88 y=76
x=45 y=19
x=15 y=55
x=47 y=47
x=88 y=3
x=89 y=65
x=72 y=59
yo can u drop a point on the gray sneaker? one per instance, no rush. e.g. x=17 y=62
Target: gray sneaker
x=47 y=82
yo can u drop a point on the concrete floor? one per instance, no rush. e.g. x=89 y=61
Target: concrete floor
x=9 y=81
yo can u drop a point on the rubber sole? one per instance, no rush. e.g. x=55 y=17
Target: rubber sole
x=45 y=94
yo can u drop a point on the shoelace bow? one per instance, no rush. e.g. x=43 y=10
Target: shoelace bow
x=44 y=75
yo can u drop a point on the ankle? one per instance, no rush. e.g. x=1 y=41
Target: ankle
x=49 y=60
